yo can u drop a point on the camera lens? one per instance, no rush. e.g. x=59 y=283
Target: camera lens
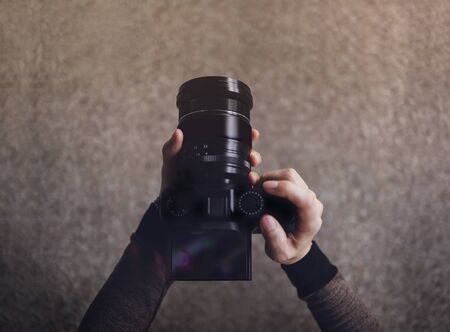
x=214 y=92
x=214 y=115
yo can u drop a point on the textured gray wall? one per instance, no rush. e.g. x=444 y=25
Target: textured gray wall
x=354 y=94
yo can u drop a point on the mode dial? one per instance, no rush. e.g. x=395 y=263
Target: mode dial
x=250 y=203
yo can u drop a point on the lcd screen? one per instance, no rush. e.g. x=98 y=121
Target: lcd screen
x=211 y=255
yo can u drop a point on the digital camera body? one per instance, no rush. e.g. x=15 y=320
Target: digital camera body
x=210 y=207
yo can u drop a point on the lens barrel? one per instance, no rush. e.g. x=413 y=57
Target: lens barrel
x=214 y=92
x=214 y=115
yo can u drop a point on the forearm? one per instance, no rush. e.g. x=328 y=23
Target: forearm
x=336 y=307
x=331 y=301
x=130 y=298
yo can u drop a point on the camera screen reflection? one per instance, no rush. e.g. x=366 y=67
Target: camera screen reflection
x=211 y=255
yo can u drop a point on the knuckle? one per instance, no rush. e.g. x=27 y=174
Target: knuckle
x=310 y=198
x=317 y=225
x=320 y=204
x=284 y=186
x=291 y=174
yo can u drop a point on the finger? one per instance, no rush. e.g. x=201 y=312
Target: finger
x=289 y=174
x=275 y=237
x=304 y=198
x=287 y=189
x=255 y=158
x=253 y=177
x=173 y=145
x=255 y=135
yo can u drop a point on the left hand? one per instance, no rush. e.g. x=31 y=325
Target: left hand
x=173 y=146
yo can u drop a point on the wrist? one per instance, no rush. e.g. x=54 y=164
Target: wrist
x=151 y=234
x=311 y=272
x=301 y=254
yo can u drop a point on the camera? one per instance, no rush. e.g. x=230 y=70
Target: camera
x=210 y=207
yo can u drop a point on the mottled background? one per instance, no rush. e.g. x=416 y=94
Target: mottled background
x=354 y=94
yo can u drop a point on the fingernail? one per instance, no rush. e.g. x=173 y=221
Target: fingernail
x=268 y=223
x=270 y=184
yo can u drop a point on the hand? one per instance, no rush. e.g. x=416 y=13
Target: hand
x=290 y=248
x=173 y=146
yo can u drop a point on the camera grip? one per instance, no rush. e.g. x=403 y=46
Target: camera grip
x=255 y=202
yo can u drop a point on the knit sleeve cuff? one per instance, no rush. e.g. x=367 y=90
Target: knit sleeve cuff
x=310 y=273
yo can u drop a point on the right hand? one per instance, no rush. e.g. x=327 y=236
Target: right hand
x=290 y=248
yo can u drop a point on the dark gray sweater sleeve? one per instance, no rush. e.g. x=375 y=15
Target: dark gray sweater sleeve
x=332 y=302
x=130 y=298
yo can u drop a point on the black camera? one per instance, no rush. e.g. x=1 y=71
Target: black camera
x=210 y=207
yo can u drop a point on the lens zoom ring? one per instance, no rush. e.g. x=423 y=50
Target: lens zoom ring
x=227 y=159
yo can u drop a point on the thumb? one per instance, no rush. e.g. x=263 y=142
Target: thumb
x=173 y=145
x=275 y=237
